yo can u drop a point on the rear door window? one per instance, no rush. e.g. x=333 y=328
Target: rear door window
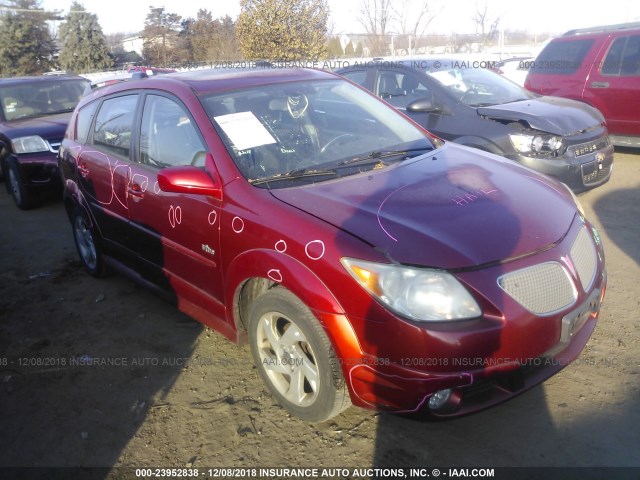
x=85 y=118
x=114 y=125
x=562 y=57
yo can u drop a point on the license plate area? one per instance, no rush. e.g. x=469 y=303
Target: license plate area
x=575 y=320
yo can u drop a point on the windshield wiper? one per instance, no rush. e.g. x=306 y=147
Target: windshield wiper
x=57 y=112
x=378 y=154
x=293 y=175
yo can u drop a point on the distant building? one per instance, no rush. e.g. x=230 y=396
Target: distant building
x=133 y=44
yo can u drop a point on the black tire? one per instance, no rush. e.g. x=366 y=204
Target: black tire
x=300 y=369
x=87 y=244
x=23 y=198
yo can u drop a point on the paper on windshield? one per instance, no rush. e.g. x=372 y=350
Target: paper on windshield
x=244 y=130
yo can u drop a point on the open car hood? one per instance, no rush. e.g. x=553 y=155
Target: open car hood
x=558 y=116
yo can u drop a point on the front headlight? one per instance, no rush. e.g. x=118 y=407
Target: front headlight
x=530 y=143
x=417 y=293
x=30 y=144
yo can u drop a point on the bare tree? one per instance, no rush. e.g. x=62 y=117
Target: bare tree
x=413 y=18
x=485 y=25
x=376 y=16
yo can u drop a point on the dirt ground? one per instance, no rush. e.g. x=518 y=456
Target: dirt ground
x=103 y=373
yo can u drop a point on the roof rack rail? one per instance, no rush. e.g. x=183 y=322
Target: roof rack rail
x=602 y=28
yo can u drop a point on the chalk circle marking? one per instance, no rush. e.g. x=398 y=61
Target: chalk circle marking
x=311 y=252
x=281 y=246
x=275 y=275
x=237 y=224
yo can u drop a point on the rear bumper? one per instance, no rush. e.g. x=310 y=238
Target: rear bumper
x=625 y=141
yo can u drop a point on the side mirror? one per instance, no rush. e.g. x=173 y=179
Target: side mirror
x=189 y=180
x=422 y=105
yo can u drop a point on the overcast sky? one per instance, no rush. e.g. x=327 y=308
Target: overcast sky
x=455 y=15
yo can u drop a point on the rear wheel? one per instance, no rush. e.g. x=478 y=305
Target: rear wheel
x=295 y=358
x=87 y=245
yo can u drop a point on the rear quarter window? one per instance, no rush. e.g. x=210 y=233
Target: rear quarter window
x=562 y=57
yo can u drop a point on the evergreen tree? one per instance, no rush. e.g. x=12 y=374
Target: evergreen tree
x=210 y=39
x=161 y=37
x=348 y=50
x=26 y=45
x=334 y=48
x=283 y=29
x=359 y=50
x=84 y=46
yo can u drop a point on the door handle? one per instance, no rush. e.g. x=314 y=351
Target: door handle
x=83 y=170
x=135 y=190
x=599 y=84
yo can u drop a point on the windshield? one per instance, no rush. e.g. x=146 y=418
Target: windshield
x=37 y=99
x=478 y=87
x=310 y=131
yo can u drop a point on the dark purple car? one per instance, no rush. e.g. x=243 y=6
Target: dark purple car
x=34 y=113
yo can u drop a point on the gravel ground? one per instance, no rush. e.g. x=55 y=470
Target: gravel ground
x=176 y=394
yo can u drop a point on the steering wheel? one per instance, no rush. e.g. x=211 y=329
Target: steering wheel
x=471 y=92
x=333 y=140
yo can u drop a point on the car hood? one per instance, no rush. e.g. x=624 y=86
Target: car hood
x=52 y=126
x=452 y=208
x=559 y=116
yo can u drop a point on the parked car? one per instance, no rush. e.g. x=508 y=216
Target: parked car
x=150 y=70
x=364 y=260
x=466 y=103
x=105 y=80
x=515 y=69
x=34 y=112
x=599 y=66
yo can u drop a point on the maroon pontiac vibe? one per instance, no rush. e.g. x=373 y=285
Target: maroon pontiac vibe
x=363 y=260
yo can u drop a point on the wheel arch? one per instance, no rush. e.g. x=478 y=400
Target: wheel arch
x=248 y=277
x=256 y=271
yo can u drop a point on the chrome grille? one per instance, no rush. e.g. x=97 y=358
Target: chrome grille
x=54 y=145
x=543 y=289
x=584 y=257
x=590 y=147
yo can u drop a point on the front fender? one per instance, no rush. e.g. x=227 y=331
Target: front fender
x=300 y=280
x=479 y=143
x=284 y=270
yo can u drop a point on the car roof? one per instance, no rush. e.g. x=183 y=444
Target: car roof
x=622 y=28
x=212 y=80
x=39 y=79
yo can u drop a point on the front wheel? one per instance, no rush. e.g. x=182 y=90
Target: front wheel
x=87 y=245
x=295 y=358
x=23 y=198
